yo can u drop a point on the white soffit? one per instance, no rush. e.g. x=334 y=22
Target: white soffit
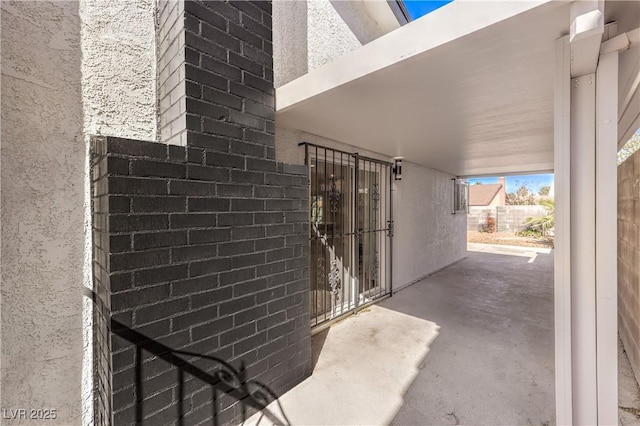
x=467 y=89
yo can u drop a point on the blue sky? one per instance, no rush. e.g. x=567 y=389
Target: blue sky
x=418 y=8
x=533 y=182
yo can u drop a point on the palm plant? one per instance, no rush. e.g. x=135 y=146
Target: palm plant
x=542 y=224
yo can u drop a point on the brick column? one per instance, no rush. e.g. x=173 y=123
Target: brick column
x=208 y=243
x=170 y=72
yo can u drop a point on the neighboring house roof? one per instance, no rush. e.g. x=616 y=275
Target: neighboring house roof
x=483 y=195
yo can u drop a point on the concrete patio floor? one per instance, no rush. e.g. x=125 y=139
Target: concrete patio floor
x=493 y=362
x=470 y=344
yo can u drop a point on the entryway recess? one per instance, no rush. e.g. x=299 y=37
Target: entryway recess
x=350 y=231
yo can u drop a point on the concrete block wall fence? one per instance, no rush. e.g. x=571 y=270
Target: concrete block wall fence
x=201 y=251
x=629 y=259
x=508 y=218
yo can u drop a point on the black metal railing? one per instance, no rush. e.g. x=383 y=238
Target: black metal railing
x=223 y=379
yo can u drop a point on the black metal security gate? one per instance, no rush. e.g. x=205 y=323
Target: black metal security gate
x=351 y=228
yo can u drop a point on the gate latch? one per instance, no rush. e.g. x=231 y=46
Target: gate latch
x=389 y=228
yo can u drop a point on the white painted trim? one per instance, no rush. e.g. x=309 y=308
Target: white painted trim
x=606 y=238
x=587 y=25
x=630 y=121
x=634 y=125
x=533 y=172
x=610 y=31
x=562 y=251
x=620 y=42
x=629 y=112
x=631 y=93
x=634 y=36
x=454 y=21
x=629 y=102
x=586 y=31
x=583 y=250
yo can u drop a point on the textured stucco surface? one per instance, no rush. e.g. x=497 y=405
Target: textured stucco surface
x=329 y=37
x=307 y=35
x=118 y=40
x=288 y=150
x=43 y=155
x=289 y=41
x=119 y=68
x=427 y=237
x=359 y=20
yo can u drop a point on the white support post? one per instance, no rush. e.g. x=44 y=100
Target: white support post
x=562 y=252
x=585 y=147
x=583 y=250
x=606 y=238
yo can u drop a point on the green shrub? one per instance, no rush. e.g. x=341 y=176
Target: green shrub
x=529 y=233
x=542 y=224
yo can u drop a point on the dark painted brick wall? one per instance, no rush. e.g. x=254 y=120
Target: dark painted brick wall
x=101 y=291
x=205 y=247
x=229 y=87
x=210 y=265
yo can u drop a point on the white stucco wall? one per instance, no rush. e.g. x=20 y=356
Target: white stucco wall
x=309 y=34
x=427 y=237
x=289 y=21
x=288 y=151
x=67 y=66
x=119 y=95
x=359 y=17
x=43 y=159
x=119 y=68
x=335 y=28
x=329 y=37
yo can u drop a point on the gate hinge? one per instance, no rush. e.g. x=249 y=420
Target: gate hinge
x=389 y=228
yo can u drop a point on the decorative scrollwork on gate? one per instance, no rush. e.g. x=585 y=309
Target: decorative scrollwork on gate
x=335 y=280
x=334 y=196
x=376 y=196
x=375 y=264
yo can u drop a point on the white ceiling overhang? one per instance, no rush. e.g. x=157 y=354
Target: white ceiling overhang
x=467 y=89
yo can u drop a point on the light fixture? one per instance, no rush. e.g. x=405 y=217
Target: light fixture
x=397 y=169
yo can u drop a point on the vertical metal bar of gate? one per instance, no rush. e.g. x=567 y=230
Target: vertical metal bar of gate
x=379 y=236
x=356 y=232
x=334 y=211
x=390 y=226
x=324 y=235
x=370 y=225
x=317 y=283
x=342 y=237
